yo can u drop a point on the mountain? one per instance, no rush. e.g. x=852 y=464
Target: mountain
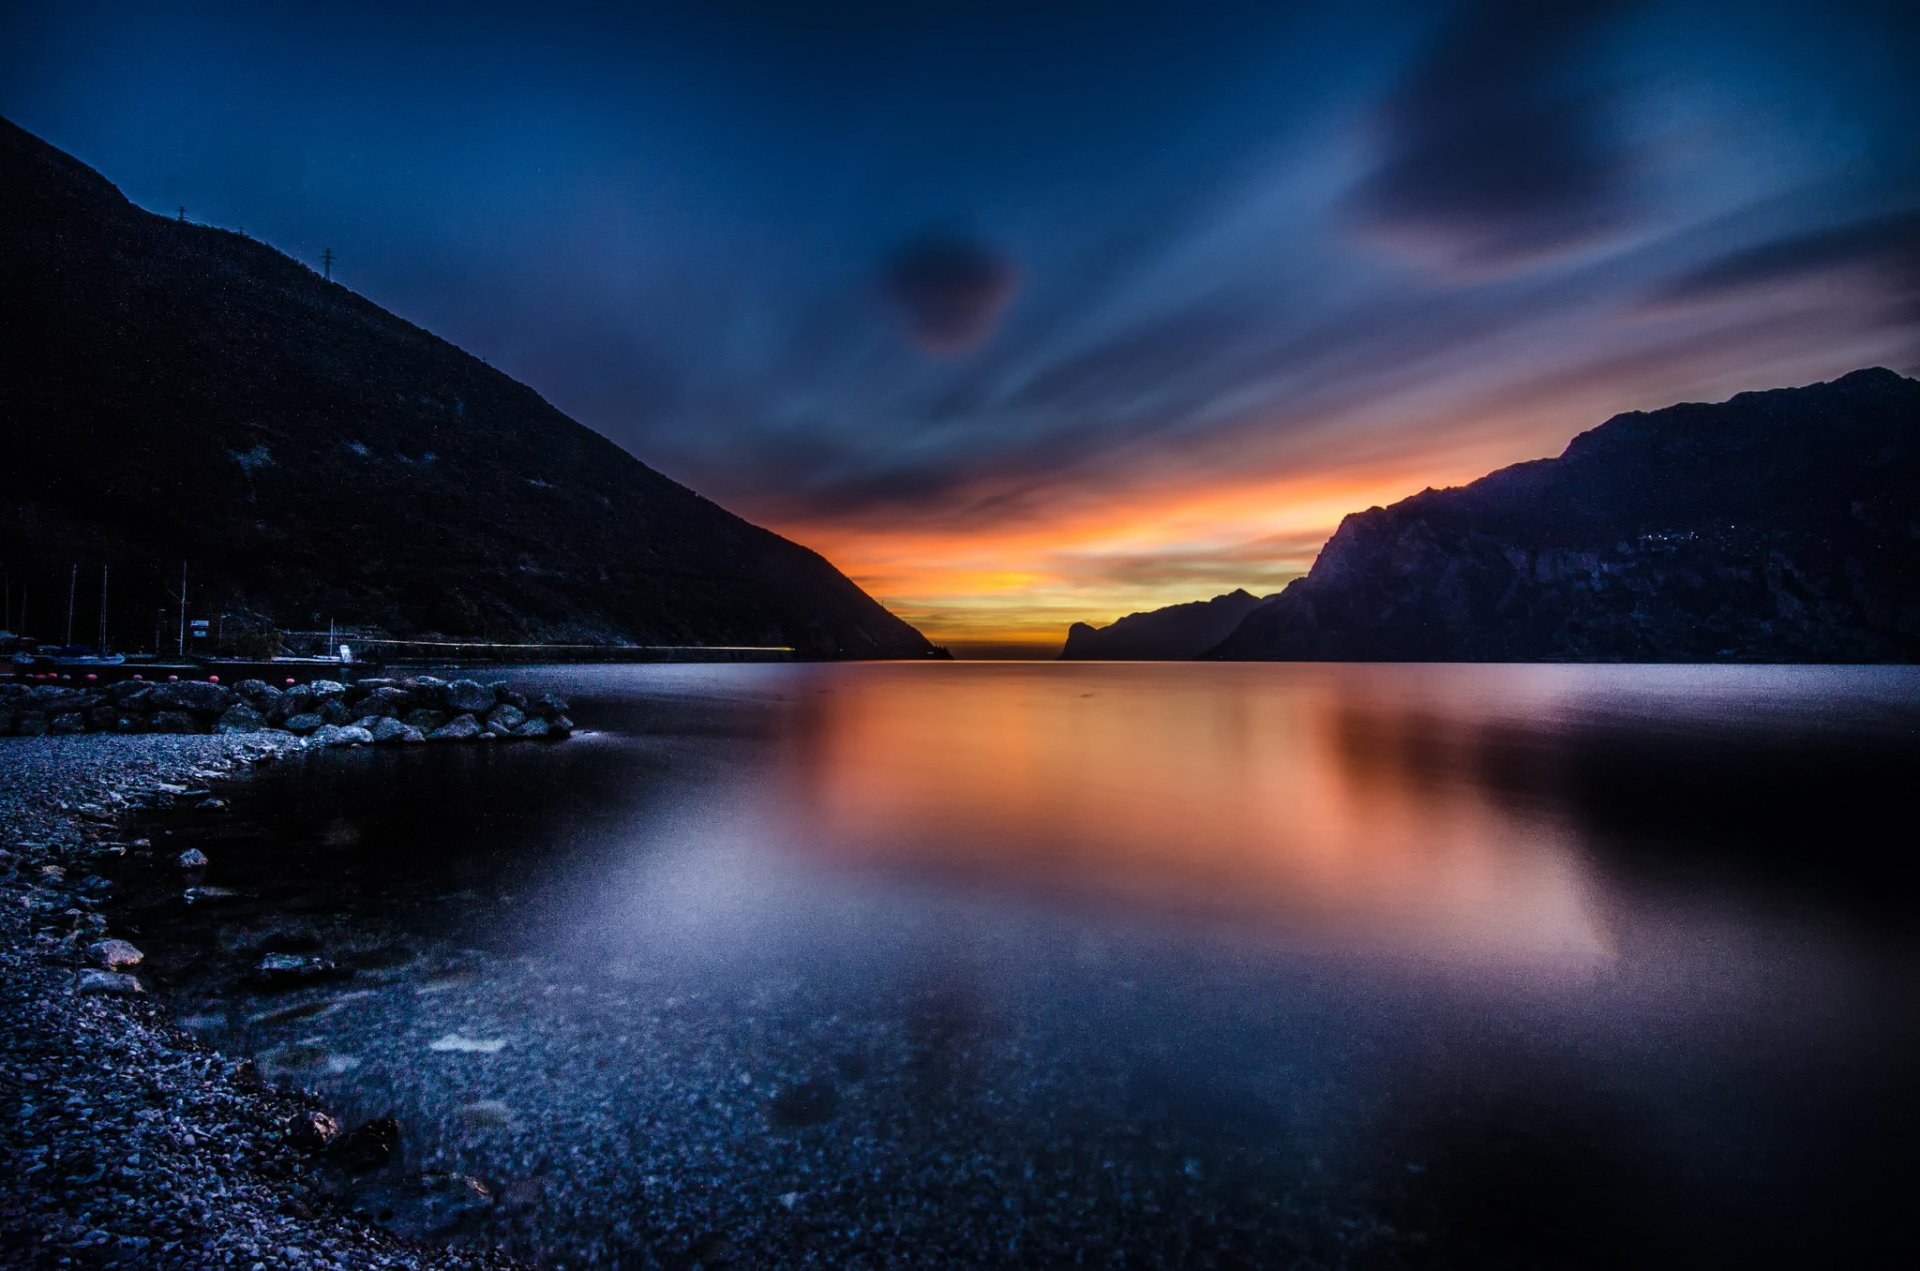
x=1172 y=633
x=1777 y=526
x=172 y=391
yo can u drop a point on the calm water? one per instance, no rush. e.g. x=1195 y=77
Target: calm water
x=1203 y=964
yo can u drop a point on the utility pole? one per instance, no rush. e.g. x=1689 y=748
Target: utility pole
x=183 y=213
x=73 y=581
x=183 y=609
x=326 y=259
x=103 y=610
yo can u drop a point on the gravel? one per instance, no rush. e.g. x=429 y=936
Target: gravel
x=124 y=1141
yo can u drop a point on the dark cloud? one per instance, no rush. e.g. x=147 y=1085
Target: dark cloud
x=949 y=293
x=1498 y=147
x=1884 y=250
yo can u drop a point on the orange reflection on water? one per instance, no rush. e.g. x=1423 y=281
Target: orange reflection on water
x=1328 y=806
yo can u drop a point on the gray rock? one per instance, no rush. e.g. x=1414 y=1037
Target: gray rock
x=175 y=722
x=254 y=690
x=389 y=700
x=391 y=731
x=312 y=1129
x=68 y=724
x=335 y=711
x=297 y=700
x=509 y=716
x=460 y=728
x=240 y=718
x=305 y=722
x=335 y=735
x=324 y=690
x=423 y=718
x=198 y=696
x=30 y=725
x=561 y=725
x=534 y=728
x=546 y=706
x=115 y=955
x=470 y=696
x=110 y=983
x=192 y=858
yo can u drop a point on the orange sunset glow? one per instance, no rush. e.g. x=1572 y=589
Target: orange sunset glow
x=1141 y=539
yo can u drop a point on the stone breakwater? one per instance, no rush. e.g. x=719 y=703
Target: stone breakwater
x=124 y=1141
x=369 y=712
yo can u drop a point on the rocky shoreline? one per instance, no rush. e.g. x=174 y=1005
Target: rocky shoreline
x=124 y=1140
x=374 y=711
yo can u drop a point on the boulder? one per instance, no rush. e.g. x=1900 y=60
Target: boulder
x=385 y=701
x=192 y=858
x=505 y=692
x=115 y=955
x=198 y=696
x=240 y=718
x=546 y=706
x=469 y=696
x=68 y=724
x=391 y=731
x=423 y=718
x=509 y=717
x=336 y=711
x=561 y=726
x=303 y=723
x=28 y=724
x=100 y=718
x=333 y=735
x=312 y=1129
x=256 y=690
x=324 y=690
x=533 y=728
x=460 y=728
x=110 y=983
x=175 y=722
x=298 y=700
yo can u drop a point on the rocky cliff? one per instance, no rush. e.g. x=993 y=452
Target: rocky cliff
x=1173 y=633
x=171 y=391
x=1777 y=526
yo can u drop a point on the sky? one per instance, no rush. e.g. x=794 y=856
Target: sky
x=1026 y=314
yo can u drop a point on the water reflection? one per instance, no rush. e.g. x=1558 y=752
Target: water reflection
x=1363 y=965
x=1321 y=809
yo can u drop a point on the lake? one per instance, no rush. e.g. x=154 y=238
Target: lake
x=1121 y=963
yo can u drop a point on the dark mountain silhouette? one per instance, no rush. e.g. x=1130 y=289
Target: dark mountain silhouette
x=1173 y=633
x=1778 y=526
x=177 y=391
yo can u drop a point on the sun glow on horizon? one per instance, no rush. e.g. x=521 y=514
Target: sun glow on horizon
x=1013 y=591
